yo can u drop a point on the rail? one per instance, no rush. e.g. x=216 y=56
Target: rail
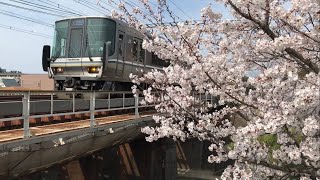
x=127 y=101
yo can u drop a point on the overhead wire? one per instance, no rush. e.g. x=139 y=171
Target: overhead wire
x=131 y=4
x=33 y=10
x=60 y=6
x=104 y=8
x=61 y=11
x=43 y=7
x=180 y=9
x=109 y=4
x=11 y=14
x=89 y=5
x=25 y=31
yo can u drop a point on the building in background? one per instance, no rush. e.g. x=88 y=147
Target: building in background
x=36 y=81
x=9 y=79
x=17 y=80
x=9 y=82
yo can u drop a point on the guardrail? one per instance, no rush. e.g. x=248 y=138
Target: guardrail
x=122 y=101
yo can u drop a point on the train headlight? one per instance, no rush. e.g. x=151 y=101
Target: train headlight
x=59 y=70
x=93 y=69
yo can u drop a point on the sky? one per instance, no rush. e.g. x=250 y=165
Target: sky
x=23 y=51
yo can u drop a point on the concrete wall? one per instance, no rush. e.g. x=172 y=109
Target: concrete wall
x=36 y=81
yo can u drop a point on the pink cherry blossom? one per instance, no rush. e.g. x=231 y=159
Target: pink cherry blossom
x=250 y=85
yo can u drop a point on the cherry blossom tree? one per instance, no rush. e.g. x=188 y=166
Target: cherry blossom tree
x=261 y=68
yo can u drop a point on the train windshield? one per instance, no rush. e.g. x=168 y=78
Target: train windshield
x=60 y=39
x=83 y=37
x=100 y=31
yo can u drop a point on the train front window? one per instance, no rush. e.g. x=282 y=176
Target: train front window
x=99 y=31
x=60 y=39
x=75 y=42
x=76 y=37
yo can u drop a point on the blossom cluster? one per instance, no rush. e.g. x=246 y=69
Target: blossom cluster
x=250 y=85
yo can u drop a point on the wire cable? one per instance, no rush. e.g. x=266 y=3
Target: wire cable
x=42 y=7
x=62 y=7
x=11 y=14
x=180 y=9
x=29 y=9
x=87 y=4
x=25 y=31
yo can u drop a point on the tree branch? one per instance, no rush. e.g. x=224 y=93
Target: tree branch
x=270 y=33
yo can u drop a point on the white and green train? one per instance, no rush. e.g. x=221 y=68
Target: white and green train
x=96 y=53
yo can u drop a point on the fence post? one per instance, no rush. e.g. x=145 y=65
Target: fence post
x=109 y=101
x=136 y=105
x=51 y=103
x=73 y=102
x=123 y=99
x=92 y=108
x=26 y=114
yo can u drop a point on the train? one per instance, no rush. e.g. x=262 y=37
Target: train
x=96 y=53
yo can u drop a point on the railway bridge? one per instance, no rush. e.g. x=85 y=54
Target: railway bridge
x=94 y=137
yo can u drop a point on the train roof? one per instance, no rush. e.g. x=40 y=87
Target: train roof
x=82 y=17
x=78 y=17
x=105 y=17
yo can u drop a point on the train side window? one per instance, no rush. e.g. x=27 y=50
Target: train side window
x=159 y=62
x=141 y=52
x=155 y=59
x=135 y=50
x=128 y=47
x=121 y=45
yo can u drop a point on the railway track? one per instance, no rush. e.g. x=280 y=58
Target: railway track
x=59 y=119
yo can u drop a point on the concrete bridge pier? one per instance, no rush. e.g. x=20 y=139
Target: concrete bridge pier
x=101 y=165
x=156 y=160
x=137 y=160
x=163 y=160
x=190 y=154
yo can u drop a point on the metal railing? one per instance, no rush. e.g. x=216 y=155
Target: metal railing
x=110 y=100
x=71 y=103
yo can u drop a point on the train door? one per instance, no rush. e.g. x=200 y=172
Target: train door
x=75 y=45
x=129 y=55
x=135 y=54
x=121 y=53
x=76 y=42
x=142 y=56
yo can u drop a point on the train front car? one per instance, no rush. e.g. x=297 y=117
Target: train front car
x=96 y=53
x=80 y=51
